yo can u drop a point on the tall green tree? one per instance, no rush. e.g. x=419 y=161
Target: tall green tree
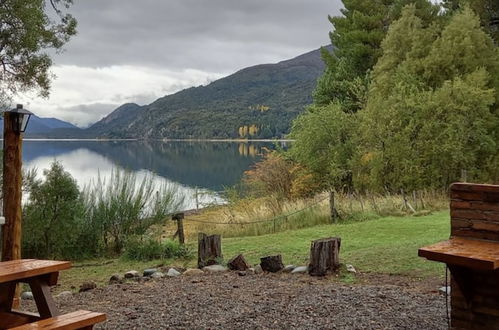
x=53 y=216
x=324 y=144
x=488 y=10
x=356 y=39
x=28 y=30
x=432 y=108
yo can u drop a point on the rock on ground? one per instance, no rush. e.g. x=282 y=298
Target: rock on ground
x=27 y=295
x=282 y=301
x=149 y=272
x=193 y=272
x=300 y=270
x=157 y=275
x=87 y=286
x=215 y=269
x=132 y=274
x=172 y=272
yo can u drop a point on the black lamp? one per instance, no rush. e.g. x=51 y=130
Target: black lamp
x=20 y=118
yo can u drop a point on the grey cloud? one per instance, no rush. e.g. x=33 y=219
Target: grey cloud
x=212 y=36
x=85 y=114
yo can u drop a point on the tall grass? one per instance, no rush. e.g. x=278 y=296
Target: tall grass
x=125 y=206
x=254 y=217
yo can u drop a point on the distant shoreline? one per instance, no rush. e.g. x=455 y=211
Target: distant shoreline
x=165 y=140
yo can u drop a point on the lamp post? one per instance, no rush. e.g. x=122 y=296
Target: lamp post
x=15 y=123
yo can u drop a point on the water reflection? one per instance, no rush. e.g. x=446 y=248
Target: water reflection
x=211 y=166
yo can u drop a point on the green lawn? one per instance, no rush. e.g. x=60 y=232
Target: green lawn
x=385 y=245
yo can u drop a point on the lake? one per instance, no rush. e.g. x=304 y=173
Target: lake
x=202 y=167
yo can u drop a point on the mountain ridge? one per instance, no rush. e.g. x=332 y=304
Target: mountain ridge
x=259 y=101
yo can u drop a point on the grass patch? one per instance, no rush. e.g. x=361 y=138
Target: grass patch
x=386 y=245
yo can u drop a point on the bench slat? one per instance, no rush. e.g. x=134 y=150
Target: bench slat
x=70 y=321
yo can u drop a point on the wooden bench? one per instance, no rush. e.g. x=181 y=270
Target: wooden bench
x=75 y=320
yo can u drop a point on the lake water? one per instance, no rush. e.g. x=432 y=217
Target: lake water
x=205 y=167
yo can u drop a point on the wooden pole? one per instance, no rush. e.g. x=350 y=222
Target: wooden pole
x=332 y=207
x=12 y=189
x=197 y=199
x=12 y=185
x=179 y=218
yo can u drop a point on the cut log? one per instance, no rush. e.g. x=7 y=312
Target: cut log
x=238 y=263
x=209 y=250
x=324 y=256
x=272 y=264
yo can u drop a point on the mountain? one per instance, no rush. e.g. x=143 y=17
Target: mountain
x=256 y=102
x=43 y=126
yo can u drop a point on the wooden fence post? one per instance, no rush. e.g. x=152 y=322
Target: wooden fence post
x=209 y=250
x=332 y=207
x=179 y=217
x=324 y=256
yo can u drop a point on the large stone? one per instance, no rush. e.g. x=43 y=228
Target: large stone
x=149 y=272
x=351 y=269
x=172 y=272
x=215 y=269
x=157 y=275
x=87 y=286
x=238 y=263
x=115 y=278
x=300 y=270
x=445 y=289
x=193 y=272
x=132 y=274
x=27 y=295
x=272 y=264
x=258 y=269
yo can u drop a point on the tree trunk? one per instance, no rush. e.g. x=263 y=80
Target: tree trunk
x=238 y=263
x=209 y=250
x=271 y=264
x=324 y=256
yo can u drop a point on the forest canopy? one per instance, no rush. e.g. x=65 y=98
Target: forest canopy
x=409 y=98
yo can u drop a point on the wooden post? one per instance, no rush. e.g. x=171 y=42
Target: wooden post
x=197 y=199
x=332 y=207
x=12 y=193
x=209 y=250
x=324 y=256
x=12 y=186
x=179 y=217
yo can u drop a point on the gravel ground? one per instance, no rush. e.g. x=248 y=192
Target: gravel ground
x=267 y=301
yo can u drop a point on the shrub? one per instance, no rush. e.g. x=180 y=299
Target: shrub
x=53 y=216
x=146 y=249
x=125 y=206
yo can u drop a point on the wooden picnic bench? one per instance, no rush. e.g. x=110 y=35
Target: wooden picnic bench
x=40 y=275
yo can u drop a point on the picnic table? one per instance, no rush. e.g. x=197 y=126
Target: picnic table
x=40 y=275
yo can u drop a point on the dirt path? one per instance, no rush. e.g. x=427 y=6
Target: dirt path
x=266 y=301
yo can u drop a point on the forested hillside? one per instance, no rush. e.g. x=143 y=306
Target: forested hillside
x=255 y=102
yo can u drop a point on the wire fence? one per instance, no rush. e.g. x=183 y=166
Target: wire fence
x=282 y=216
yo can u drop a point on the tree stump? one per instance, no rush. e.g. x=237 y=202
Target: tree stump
x=209 y=250
x=324 y=256
x=238 y=263
x=272 y=264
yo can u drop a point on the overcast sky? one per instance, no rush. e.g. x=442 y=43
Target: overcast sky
x=139 y=50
